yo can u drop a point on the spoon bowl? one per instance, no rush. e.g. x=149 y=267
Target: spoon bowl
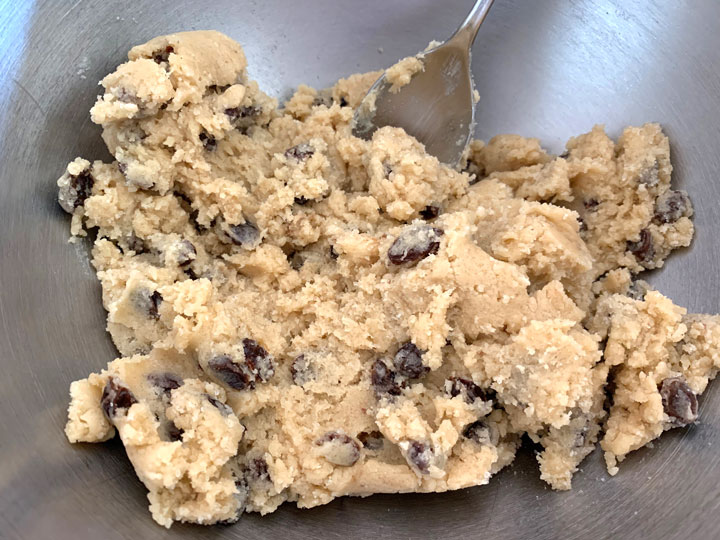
x=437 y=105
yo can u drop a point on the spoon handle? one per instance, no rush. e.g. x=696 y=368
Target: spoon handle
x=467 y=31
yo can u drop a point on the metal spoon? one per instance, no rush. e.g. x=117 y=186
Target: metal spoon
x=437 y=106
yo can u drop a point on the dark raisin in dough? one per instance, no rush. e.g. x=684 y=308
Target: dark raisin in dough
x=165 y=381
x=77 y=191
x=299 y=152
x=414 y=244
x=236 y=376
x=341 y=449
x=408 y=362
x=679 y=401
x=460 y=386
x=644 y=248
x=116 y=398
x=383 y=380
x=256 y=470
x=671 y=206
x=258 y=359
x=419 y=454
x=244 y=235
x=163 y=54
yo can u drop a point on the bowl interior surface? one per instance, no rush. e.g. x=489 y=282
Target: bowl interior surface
x=547 y=69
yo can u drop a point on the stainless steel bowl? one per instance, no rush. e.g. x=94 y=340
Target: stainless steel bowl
x=549 y=69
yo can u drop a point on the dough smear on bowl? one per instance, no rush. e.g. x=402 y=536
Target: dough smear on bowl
x=303 y=315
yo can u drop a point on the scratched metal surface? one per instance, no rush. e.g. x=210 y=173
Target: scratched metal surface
x=549 y=69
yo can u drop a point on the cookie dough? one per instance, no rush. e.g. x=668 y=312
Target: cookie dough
x=303 y=315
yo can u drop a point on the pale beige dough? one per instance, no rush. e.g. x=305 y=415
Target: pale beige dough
x=400 y=74
x=302 y=314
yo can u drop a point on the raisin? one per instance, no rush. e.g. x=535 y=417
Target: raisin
x=155 y=301
x=224 y=409
x=343 y=101
x=408 y=361
x=476 y=431
x=163 y=54
x=301 y=370
x=174 y=433
x=299 y=152
x=372 y=440
x=208 y=141
x=643 y=249
x=650 y=176
x=126 y=95
x=302 y=201
x=258 y=359
x=189 y=272
x=241 y=495
x=671 y=206
x=234 y=375
x=165 y=381
x=591 y=205
x=481 y=432
x=242 y=118
x=80 y=189
x=679 y=401
x=148 y=302
x=244 y=235
x=430 y=212
x=186 y=253
x=415 y=244
x=419 y=455
x=383 y=379
x=115 y=397
x=233 y=113
x=339 y=448
x=257 y=470
x=460 y=386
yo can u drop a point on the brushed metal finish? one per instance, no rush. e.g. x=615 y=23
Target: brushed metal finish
x=437 y=105
x=548 y=68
